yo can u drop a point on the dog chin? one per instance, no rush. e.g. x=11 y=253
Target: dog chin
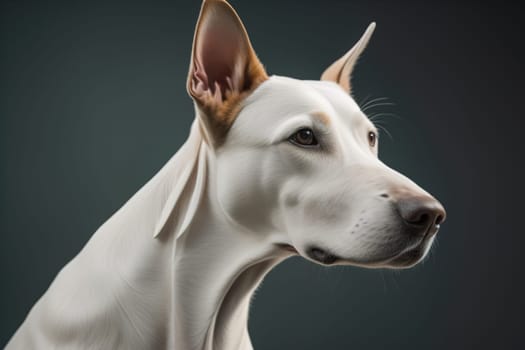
x=407 y=258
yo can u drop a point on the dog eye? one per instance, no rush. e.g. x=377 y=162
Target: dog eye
x=304 y=137
x=372 y=138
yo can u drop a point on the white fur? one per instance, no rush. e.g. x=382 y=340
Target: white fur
x=191 y=290
x=176 y=266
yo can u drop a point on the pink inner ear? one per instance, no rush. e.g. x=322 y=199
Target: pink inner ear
x=216 y=58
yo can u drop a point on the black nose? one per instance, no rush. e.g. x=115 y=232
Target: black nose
x=421 y=212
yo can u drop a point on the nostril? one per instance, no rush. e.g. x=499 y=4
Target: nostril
x=420 y=219
x=384 y=195
x=420 y=212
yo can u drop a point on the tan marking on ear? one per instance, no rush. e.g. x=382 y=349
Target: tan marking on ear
x=220 y=111
x=225 y=113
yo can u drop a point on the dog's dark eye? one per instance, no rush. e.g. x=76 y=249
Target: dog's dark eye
x=304 y=137
x=372 y=138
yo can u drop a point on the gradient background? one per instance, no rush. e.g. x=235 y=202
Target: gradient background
x=93 y=103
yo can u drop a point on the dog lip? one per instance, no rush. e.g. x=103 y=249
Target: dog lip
x=322 y=256
x=431 y=231
x=408 y=257
x=288 y=247
x=405 y=258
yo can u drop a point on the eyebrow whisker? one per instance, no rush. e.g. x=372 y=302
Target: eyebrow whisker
x=364 y=101
x=375 y=115
x=379 y=126
x=373 y=105
x=372 y=101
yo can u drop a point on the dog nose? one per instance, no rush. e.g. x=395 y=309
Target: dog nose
x=421 y=212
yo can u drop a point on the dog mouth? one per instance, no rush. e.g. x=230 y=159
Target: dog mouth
x=407 y=257
x=411 y=254
x=322 y=256
x=315 y=253
x=288 y=248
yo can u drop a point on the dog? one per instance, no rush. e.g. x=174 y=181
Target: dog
x=273 y=167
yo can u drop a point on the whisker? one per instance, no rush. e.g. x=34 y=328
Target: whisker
x=371 y=117
x=367 y=104
x=373 y=105
x=379 y=126
x=364 y=101
x=393 y=275
x=433 y=249
x=378 y=99
x=378 y=119
x=384 y=281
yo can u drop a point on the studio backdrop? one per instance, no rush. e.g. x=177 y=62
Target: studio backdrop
x=93 y=103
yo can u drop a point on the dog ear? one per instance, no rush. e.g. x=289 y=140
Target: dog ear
x=224 y=68
x=341 y=70
x=189 y=178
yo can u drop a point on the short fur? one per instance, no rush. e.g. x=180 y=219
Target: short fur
x=176 y=266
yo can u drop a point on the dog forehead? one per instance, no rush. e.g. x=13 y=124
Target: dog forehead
x=342 y=103
x=283 y=96
x=280 y=98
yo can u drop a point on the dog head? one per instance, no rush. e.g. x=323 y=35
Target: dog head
x=296 y=161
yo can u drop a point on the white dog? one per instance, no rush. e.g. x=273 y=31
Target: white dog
x=273 y=167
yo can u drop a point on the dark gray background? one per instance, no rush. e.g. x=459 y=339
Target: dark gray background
x=93 y=103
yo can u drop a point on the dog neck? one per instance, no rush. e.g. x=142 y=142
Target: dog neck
x=216 y=271
x=217 y=265
x=187 y=290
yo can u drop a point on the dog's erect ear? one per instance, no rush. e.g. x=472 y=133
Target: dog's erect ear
x=341 y=70
x=224 y=68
